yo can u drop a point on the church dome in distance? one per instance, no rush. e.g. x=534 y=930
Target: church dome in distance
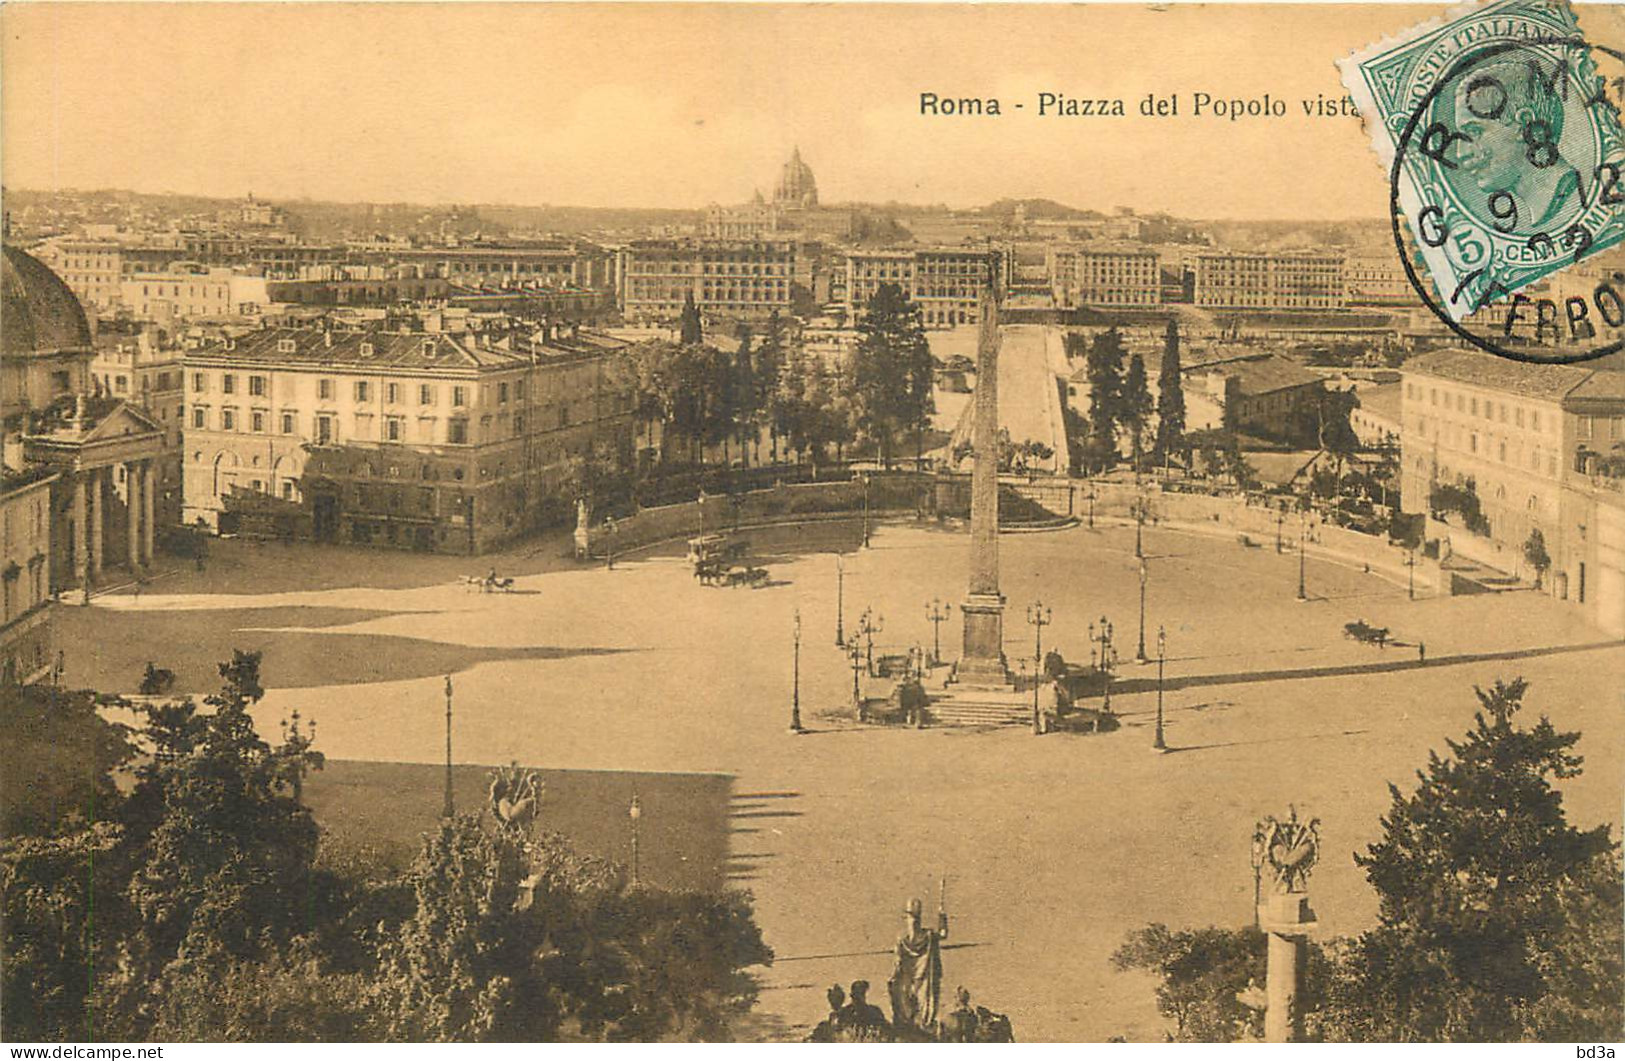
x=797 y=186
x=38 y=313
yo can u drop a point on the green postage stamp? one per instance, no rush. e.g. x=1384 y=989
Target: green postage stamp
x=1503 y=147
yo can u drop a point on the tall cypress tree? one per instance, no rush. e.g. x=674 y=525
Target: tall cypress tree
x=691 y=334
x=1170 y=396
x=1136 y=406
x=1104 y=368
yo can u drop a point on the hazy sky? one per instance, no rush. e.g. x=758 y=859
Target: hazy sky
x=681 y=105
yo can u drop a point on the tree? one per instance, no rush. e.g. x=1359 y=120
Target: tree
x=1535 y=554
x=1199 y=974
x=690 y=331
x=1170 y=396
x=1135 y=405
x=1104 y=369
x=892 y=369
x=769 y=365
x=746 y=393
x=1484 y=889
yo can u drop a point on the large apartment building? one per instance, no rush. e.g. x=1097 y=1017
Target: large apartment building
x=1227 y=280
x=442 y=441
x=945 y=282
x=1104 y=276
x=1544 y=447
x=745 y=278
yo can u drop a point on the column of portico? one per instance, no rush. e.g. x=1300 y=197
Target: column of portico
x=132 y=508
x=149 y=492
x=97 y=496
x=81 y=538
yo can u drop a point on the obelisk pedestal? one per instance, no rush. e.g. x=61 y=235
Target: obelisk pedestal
x=981 y=661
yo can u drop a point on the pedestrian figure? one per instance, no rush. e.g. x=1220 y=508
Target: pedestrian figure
x=1421 y=653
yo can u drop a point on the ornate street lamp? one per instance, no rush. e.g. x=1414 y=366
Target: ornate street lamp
x=1139 y=653
x=1162 y=655
x=854 y=653
x=795 y=681
x=863 y=477
x=1039 y=617
x=870 y=624
x=840 y=602
x=634 y=812
x=936 y=613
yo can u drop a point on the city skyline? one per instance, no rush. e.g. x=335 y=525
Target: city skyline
x=642 y=113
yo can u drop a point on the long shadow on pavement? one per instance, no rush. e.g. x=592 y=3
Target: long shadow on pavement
x=1140 y=685
x=115 y=650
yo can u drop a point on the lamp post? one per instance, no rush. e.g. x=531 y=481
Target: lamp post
x=1040 y=617
x=1104 y=639
x=1091 y=496
x=1303 y=538
x=1162 y=654
x=1260 y=844
x=870 y=624
x=864 y=478
x=936 y=613
x=449 y=810
x=1139 y=653
x=1410 y=574
x=1139 y=527
x=795 y=680
x=854 y=652
x=1280 y=517
x=634 y=812
x=840 y=601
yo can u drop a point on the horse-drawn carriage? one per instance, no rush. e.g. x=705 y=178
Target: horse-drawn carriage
x=713 y=557
x=1366 y=634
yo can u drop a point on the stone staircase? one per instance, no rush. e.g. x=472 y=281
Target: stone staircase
x=972 y=705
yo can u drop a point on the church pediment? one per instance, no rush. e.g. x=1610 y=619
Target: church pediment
x=125 y=419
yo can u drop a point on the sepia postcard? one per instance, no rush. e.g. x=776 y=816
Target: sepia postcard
x=778 y=523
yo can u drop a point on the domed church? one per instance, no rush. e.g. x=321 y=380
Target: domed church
x=78 y=488
x=797 y=185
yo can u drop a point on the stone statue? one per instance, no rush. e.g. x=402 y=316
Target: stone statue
x=1289 y=850
x=916 y=981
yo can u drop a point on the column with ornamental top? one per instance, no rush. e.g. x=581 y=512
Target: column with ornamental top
x=132 y=510
x=81 y=536
x=149 y=508
x=97 y=496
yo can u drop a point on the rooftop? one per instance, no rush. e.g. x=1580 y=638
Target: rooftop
x=405 y=350
x=1483 y=369
x=1266 y=374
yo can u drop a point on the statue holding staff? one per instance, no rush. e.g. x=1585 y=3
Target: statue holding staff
x=916 y=981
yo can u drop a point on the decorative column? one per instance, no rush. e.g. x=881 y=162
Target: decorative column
x=149 y=520
x=81 y=538
x=982 y=658
x=132 y=510
x=98 y=512
x=1290 y=849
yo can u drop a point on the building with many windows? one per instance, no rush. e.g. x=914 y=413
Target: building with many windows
x=26 y=651
x=945 y=282
x=432 y=440
x=744 y=278
x=1226 y=280
x=187 y=290
x=1083 y=275
x=143 y=366
x=1539 y=444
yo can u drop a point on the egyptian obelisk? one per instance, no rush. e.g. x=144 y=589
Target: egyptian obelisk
x=981 y=661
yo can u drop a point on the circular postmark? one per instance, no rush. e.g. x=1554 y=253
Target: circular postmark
x=1511 y=169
